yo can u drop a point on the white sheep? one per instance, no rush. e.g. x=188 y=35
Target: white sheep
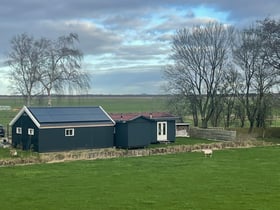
x=13 y=152
x=207 y=152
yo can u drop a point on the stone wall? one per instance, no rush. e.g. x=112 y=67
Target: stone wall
x=116 y=153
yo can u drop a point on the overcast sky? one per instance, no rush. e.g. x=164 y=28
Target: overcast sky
x=125 y=42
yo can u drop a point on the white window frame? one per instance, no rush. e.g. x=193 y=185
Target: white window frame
x=69 y=132
x=30 y=131
x=18 y=130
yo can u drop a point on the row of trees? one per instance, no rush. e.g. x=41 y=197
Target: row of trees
x=219 y=72
x=43 y=66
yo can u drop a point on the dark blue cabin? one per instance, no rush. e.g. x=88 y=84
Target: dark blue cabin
x=45 y=129
x=133 y=133
x=134 y=130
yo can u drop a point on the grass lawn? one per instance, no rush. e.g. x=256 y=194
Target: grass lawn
x=5 y=154
x=231 y=179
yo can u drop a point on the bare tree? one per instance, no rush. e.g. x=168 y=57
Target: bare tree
x=230 y=90
x=200 y=56
x=25 y=59
x=265 y=79
x=240 y=113
x=268 y=79
x=269 y=31
x=62 y=67
x=226 y=99
x=247 y=57
x=46 y=66
x=259 y=75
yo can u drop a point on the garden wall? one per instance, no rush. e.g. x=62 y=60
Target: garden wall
x=213 y=134
x=115 y=153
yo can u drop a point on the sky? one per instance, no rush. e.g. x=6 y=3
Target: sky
x=126 y=43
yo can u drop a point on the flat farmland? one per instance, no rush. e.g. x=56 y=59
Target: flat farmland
x=231 y=179
x=117 y=104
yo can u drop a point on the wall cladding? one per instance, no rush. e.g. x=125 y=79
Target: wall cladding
x=213 y=134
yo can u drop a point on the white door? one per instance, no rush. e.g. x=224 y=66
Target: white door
x=161 y=131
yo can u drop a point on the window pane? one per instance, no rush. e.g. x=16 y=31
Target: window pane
x=30 y=131
x=69 y=132
x=18 y=130
x=164 y=128
x=159 y=129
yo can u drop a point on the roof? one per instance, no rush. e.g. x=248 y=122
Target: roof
x=66 y=116
x=147 y=115
x=183 y=124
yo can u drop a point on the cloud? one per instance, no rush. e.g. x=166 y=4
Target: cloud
x=69 y=9
x=125 y=81
x=94 y=39
x=126 y=39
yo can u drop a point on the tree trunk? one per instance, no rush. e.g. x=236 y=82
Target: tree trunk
x=251 y=126
x=242 y=120
x=195 y=120
x=28 y=100
x=227 y=120
x=49 y=97
x=204 y=123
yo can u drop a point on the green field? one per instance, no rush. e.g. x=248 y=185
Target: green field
x=231 y=179
x=111 y=104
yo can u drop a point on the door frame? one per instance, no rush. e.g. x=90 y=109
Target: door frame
x=162 y=131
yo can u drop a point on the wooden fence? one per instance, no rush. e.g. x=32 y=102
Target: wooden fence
x=213 y=134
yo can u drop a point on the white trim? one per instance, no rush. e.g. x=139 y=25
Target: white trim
x=32 y=117
x=17 y=116
x=162 y=131
x=31 y=131
x=69 y=132
x=18 y=130
x=75 y=126
x=107 y=115
x=26 y=110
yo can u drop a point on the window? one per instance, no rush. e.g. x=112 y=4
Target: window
x=159 y=128
x=31 y=131
x=69 y=132
x=164 y=129
x=18 y=130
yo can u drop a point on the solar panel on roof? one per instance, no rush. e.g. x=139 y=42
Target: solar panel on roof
x=69 y=114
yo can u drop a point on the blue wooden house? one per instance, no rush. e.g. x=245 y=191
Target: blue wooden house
x=45 y=129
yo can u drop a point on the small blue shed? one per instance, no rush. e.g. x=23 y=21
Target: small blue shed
x=134 y=130
x=45 y=129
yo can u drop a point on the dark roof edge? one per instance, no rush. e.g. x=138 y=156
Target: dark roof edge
x=148 y=118
x=134 y=118
x=163 y=118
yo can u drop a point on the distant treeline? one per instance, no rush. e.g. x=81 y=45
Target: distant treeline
x=90 y=95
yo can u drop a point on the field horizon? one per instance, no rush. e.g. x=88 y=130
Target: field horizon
x=111 y=103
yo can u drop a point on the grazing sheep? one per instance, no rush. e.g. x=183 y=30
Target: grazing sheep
x=13 y=153
x=207 y=152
